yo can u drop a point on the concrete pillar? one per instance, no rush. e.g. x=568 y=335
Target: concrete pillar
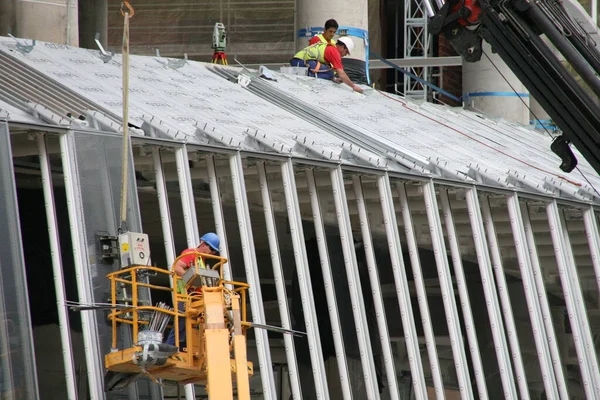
x=490 y=93
x=7 y=17
x=349 y=13
x=537 y=112
x=93 y=18
x=48 y=20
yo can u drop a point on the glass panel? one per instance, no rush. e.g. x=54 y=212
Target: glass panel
x=39 y=264
x=545 y=249
x=340 y=287
x=473 y=282
x=17 y=369
x=521 y=313
x=273 y=309
x=99 y=174
x=376 y=227
x=428 y=273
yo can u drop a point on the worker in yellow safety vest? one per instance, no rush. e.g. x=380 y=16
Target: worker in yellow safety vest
x=331 y=27
x=324 y=60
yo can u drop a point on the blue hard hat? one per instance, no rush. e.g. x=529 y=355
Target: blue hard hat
x=212 y=240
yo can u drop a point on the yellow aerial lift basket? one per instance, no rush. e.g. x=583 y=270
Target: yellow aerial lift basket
x=215 y=319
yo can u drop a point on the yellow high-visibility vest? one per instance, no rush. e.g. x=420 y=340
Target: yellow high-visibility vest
x=314 y=52
x=322 y=39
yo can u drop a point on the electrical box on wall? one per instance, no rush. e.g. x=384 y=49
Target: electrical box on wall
x=134 y=249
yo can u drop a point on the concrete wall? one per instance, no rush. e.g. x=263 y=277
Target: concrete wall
x=48 y=20
x=350 y=13
x=482 y=77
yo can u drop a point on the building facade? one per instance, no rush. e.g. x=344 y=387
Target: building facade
x=427 y=252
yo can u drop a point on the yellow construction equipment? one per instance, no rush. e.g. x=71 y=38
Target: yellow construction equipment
x=215 y=320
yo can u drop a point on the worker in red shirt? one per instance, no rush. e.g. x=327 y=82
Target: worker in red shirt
x=324 y=60
x=331 y=27
x=209 y=244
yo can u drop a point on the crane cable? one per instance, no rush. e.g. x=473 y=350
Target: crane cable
x=127 y=14
x=545 y=129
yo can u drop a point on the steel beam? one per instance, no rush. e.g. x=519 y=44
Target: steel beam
x=463 y=293
x=502 y=287
x=401 y=284
x=303 y=271
x=382 y=327
x=190 y=221
x=252 y=275
x=334 y=316
x=400 y=62
x=448 y=297
x=538 y=275
x=415 y=263
x=531 y=296
x=593 y=237
x=354 y=286
x=567 y=268
x=187 y=197
x=91 y=339
x=57 y=269
x=165 y=213
x=282 y=299
x=217 y=204
x=491 y=297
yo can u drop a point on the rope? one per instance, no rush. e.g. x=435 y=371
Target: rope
x=125 y=151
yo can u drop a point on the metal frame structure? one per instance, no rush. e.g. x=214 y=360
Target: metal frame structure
x=415 y=263
x=382 y=325
x=337 y=145
x=282 y=299
x=303 y=271
x=338 y=340
x=531 y=295
x=16 y=331
x=401 y=282
x=502 y=289
x=189 y=218
x=354 y=285
x=584 y=344
x=80 y=255
x=463 y=293
x=544 y=305
x=485 y=241
x=57 y=268
x=439 y=248
x=252 y=275
x=491 y=297
x=416 y=40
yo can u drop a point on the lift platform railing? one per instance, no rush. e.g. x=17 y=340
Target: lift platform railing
x=129 y=310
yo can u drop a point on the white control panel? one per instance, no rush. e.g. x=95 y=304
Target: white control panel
x=134 y=249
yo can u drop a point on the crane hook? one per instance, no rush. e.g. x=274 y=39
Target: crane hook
x=125 y=3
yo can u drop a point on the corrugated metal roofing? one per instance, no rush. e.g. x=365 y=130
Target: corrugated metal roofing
x=202 y=103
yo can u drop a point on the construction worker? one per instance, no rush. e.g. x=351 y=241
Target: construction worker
x=209 y=244
x=325 y=60
x=331 y=27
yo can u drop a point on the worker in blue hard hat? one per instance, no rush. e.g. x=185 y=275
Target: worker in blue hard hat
x=209 y=244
